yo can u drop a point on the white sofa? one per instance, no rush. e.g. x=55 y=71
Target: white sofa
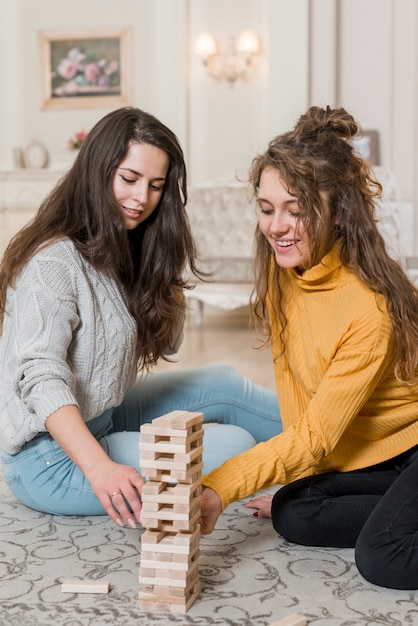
x=223 y=221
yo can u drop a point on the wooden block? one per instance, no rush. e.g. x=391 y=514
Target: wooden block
x=168 y=512
x=156 y=443
x=165 y=522
x=171 y=450
x=159 y=559
x=186 y=508
x=149 y=600
x=172 y=494
x=153 y=488
x=147 y=507
x=173 y=557
x=194 y=456
x=160 y=431
x=174 y=592
x=292 y=620
x=169 y=578
x=172 y=543
x=149 y=435
x=166 y=557
x=168 y=564
x=150 y=457
x=152 y=537
x=189 y=476
x=171 y=604
x=153 y=510
x=183 y=539
x=149 y=594
x=169 y=461
x=179 y=419
x=172 y=585
x=85 y=586
x=161 y=464
x=163 y=607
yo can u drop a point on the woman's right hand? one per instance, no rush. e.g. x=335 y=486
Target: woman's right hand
x=115 y=485
x=119 y=488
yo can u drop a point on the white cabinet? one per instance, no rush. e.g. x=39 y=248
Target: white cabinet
x=21 y=193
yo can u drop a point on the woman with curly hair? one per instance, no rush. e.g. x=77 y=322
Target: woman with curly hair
x=342 y=319
x=91 y=295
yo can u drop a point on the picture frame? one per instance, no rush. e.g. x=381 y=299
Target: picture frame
x=85 y=68
x=367 y=145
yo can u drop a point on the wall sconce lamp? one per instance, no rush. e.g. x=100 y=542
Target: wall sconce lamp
x=238 y=60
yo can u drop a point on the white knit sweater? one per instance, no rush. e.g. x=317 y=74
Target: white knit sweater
x=68 y=338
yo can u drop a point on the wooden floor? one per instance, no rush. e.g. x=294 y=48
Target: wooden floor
x=224 y=338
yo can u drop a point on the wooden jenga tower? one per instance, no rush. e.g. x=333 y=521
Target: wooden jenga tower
x=171 y=459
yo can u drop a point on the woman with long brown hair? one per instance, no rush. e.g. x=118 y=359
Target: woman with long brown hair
x=91 y=295
x=342 y=319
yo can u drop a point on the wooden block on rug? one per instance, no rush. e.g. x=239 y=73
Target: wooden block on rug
x=85 y=586
x=292 y=620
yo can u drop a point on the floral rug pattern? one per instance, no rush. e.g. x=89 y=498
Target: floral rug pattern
x=249 y=576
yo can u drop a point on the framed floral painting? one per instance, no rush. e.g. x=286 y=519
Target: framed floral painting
x=85 y=69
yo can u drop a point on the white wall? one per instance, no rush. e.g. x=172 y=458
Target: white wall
x=377 y=80
x=229 y=124
x=361 y=54
x=12 y=113
x=364 y=57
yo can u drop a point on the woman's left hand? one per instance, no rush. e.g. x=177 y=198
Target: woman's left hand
x=262 y=504
x=211 y=508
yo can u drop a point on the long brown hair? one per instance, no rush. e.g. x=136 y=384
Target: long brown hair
x=317 y=159
x=149 y=261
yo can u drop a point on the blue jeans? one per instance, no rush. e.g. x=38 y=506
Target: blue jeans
x=44 y=478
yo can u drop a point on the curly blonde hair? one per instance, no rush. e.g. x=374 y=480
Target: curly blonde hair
x=317 y=159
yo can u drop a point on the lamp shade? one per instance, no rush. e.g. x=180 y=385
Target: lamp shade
x=248 y=42
x=205 y=45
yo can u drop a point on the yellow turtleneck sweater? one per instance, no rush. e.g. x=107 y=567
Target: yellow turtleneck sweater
x=341 y=406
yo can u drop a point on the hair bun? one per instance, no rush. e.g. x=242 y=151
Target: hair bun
x=336 y=121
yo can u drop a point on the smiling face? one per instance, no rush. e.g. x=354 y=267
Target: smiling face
x=139 y=182
x=278 y=221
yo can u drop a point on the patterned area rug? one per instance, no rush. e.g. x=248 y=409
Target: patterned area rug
x=249 y=575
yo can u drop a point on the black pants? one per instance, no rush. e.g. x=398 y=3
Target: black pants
x=374 y=510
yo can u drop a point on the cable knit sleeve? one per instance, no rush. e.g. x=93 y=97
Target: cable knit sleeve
x=68 y=338
x=45 y=316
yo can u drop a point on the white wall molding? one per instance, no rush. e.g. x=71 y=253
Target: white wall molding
x=324 y=54
x=12 y=118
